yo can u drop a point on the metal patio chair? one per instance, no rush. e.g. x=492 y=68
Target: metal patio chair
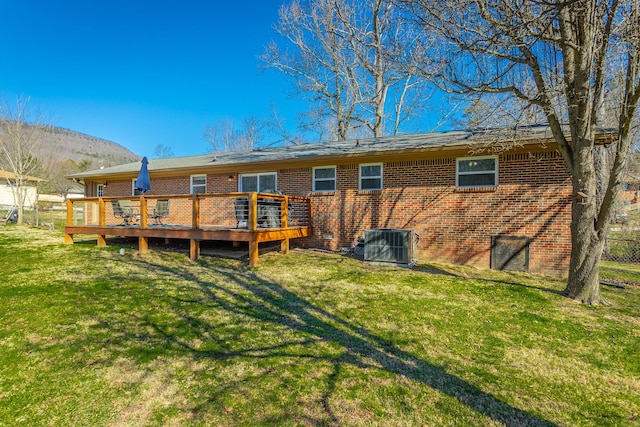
x=123 y=209
x=160 y=211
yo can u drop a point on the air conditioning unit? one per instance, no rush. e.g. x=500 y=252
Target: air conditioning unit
x=387 y=245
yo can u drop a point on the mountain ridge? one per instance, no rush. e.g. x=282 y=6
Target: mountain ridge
x=62 y=144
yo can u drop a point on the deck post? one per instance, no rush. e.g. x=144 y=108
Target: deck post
x=253 y=225
x=284 y=246
x=253 y=253
x=68 y=238
x=194 y=249
x=69 y=212
x=195 y=213
x=252 y=222
x=143 y=244
x=102 y=220
x=102 y=212
x=143 y=212
x=284 y=212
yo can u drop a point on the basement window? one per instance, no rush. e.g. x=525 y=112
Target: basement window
x=473 y=172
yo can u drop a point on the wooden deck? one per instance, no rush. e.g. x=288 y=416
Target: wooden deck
x=197 y=217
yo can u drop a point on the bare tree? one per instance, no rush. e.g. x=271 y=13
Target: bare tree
x=57 y=181
x=162 y=151
x=22 y=132
x=498 y=111
x=224 y=136
x=252 y=132
x=357 y=61
x=276 y=126
x=555 y=57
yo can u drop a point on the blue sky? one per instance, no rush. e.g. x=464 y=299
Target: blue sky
x=143 y=73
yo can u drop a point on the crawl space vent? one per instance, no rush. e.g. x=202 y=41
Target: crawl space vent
x=510 y=253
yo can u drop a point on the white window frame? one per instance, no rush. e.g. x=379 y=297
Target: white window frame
x=100 y=190
x=134 y=190
x=192 y=186
x=334 y=179
x=360 y=177
x=483 y=172
x=258 y=175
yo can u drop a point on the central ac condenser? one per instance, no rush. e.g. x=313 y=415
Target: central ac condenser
x=389 y=245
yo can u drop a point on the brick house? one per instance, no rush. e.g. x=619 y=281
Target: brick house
x=459 y=199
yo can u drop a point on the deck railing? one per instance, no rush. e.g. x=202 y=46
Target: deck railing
x=252 y=211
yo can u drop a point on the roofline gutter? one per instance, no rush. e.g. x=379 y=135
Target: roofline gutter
x=457 y=148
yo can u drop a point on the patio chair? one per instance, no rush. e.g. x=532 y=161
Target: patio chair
x=160 y=211
x=268 y=213
x=118 y=212
x=123 y=209
x=241 y=206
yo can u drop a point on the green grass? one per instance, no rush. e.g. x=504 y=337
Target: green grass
x=620 y=273
x=46 y=218
x=91 y=337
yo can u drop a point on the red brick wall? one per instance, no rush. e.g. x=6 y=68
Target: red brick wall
x=173 y=185
x=626 y=197
x=533 y=199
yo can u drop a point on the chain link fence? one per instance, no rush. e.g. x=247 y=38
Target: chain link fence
x=625 y=250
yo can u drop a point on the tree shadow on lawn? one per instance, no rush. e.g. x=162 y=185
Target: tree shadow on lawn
x=430 y=269
x=265 y=301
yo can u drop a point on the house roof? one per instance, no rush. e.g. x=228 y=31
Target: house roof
x=53 y=198
x=631 y=179
x=331 y=151
x=11 y=175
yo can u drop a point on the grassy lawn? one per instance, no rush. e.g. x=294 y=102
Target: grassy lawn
x=92 y=337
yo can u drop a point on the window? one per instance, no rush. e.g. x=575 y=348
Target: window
x=324 y=178
x=198 y=184
x=100 y=190
x=134 y=190
x=371 y=177
x=259 y=182
x=477 y=172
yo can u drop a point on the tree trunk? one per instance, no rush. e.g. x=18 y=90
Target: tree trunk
x=583 y=283
x=587 y=236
